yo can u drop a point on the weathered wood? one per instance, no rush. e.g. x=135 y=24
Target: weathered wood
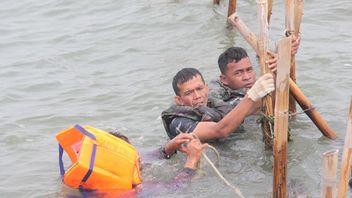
x=345 y=171
x=328 y=176
x=293 y=17
x=298 y=95
x=299 y=4
x=263 y=40
x=289 y=23
x=248 y=35
x=281 y=118
x=232 y=7
x=270 y=9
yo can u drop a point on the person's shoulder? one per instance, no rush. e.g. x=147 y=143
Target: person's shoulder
x=218 y=90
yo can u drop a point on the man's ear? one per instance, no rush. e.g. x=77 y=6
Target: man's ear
x=223 y=79
x=178 y=100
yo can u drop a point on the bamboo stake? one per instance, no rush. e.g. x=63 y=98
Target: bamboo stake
x=302 y=100
x=270 y=9
x=294 y=11
x=328 y=177
x=299 y=4
x=267 y=101
x=289 y=23
x=345 y=171
x=281 y=118
x=232 y=7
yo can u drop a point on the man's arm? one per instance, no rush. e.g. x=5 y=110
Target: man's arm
x=212 y=130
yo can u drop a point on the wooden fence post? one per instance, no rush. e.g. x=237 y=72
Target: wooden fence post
x=281 y=118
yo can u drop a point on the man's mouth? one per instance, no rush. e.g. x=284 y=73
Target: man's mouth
x=248 y=85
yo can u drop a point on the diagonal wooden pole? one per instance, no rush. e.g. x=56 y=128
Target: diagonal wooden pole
x=281 y=118
x=345 y=171
x=301 y=99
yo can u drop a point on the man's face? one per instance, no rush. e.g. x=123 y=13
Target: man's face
x=193 y=93
x=239 y=75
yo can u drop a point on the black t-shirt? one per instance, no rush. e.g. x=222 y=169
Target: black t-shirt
x=182 y=125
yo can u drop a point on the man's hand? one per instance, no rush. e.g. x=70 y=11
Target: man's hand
x=263 y=86
x=193 y=149
x=175 y=143
x=272 y=62
x=295 y=44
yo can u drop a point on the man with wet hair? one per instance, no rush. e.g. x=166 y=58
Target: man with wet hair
x=238 y=75
x=208 y=118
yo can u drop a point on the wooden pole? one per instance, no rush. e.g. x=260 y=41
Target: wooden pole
x=267 y=101
x=302 y=100
x=298 y=12
x=293 y=17
x=232 y=7
x=289 y=23
x=345 y=171
x=270 y=9
x=281 y=118
x=328 y=177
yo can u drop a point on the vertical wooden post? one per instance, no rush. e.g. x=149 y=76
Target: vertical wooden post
x=345 y=171
x=289 y=23
x=270 y=9
x=298 y=12
x=263 y=40
x=328 y=175
x=281 y=118
x=232 y=7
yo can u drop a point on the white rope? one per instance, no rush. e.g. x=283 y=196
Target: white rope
x=234 y=188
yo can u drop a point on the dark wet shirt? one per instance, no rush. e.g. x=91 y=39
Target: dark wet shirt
x=220 y=91
x=182 y=125
x=177 y=119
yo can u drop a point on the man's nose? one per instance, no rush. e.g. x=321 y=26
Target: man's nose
x=196 y=94
x=246 y=75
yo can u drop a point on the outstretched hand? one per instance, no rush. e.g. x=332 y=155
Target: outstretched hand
x=175 y=143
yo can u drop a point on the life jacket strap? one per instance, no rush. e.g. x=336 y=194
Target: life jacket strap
x=61 y=163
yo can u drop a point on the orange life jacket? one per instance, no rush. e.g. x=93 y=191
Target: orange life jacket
x=100 y=161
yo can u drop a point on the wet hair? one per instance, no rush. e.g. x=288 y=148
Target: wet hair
x=119 y=135
x=183 y=76
x=230 y=55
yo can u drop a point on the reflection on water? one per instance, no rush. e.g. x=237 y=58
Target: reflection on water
x=109 y=64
